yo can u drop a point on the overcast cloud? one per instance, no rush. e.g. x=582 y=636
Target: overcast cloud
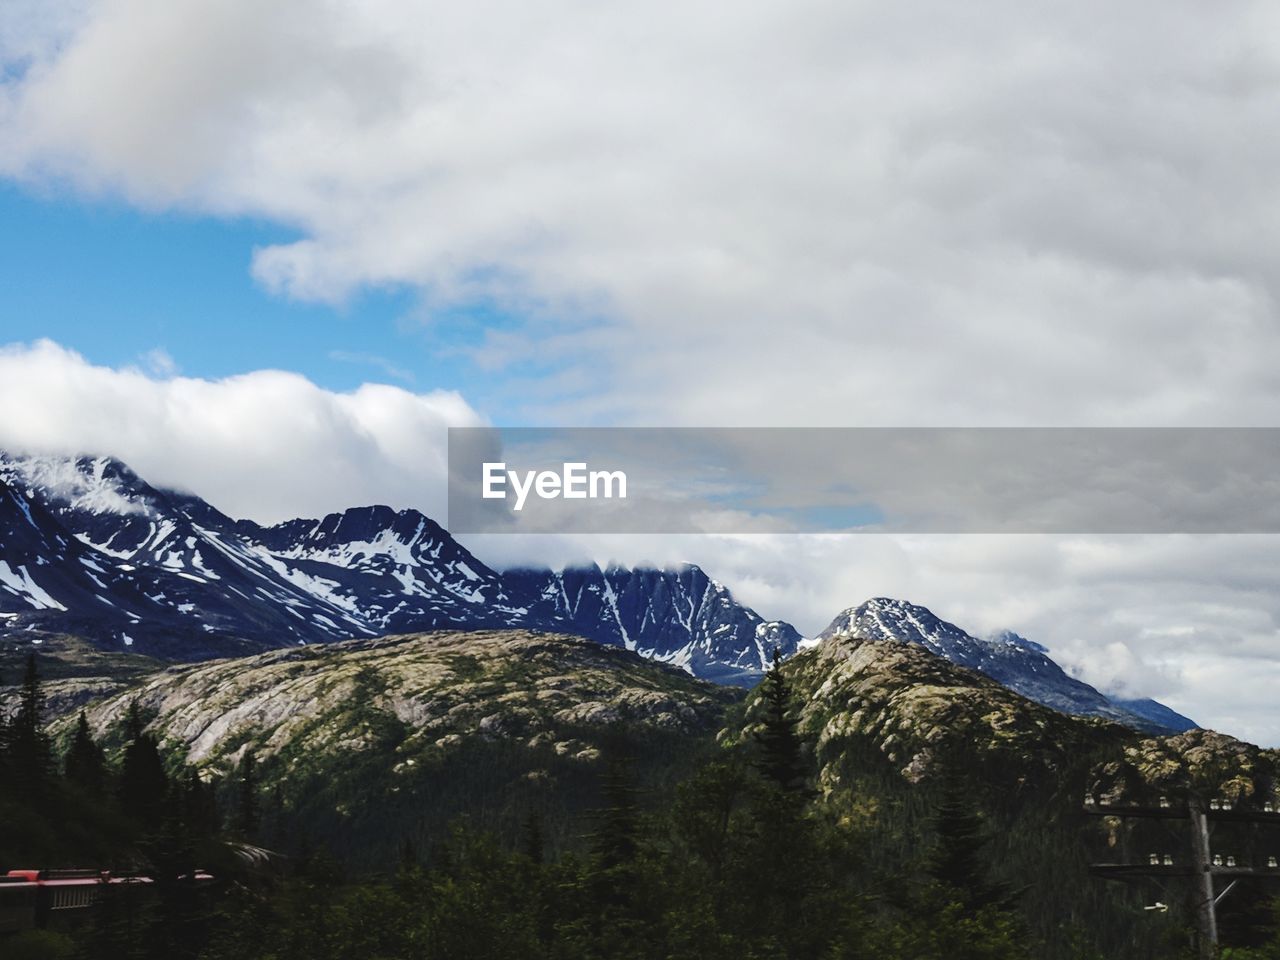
x=758 y=213
x=763 y=212
x=267 y=445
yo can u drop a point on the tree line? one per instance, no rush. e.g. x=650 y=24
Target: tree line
x=740 y=860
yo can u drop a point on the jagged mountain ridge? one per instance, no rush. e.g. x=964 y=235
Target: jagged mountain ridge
x=52 y=578
x=238 y=582
x=87 y=547
x=679 y=616
x=173 y=575
x=1014 y=661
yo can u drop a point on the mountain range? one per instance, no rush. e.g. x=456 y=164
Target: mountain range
x=88 y=548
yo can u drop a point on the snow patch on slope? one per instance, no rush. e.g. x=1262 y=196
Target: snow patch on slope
x=20 y=582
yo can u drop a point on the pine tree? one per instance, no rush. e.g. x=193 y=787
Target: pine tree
x=134 y=725
x=781 y=758
x=201 y=807
x=177 y=925
x=614 y=841
x=959 y=859
x=143 y=783
x=27 y=747
x=275 y=826
x=611 y=886
x=84 y=763
x=119 y=923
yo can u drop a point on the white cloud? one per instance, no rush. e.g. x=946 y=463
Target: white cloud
x=267 y=445
x=755 y=213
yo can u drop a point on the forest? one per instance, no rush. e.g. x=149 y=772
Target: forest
x=737 y=858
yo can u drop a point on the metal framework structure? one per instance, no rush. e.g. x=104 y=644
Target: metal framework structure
x=1204 y=867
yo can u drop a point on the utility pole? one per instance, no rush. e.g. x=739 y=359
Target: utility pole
x=1204 y=865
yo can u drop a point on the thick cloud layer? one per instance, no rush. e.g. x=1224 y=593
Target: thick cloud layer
x=267 y=445
x=762 y=212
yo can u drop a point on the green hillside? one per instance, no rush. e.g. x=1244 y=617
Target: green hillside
x=555 y=798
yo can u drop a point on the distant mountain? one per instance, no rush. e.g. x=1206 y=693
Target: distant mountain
x=359 y=573
x=40 y=565
x=679 y=616
x=1012 y=660
x=1161 y=717
x=51 y=579
x=390 y=571
x=87 y=547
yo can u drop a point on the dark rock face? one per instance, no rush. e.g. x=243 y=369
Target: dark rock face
x=679 y=616
x=91 y=548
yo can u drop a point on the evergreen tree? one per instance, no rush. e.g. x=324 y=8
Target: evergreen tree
x=610 y=885
x=202 y=814
x=275 y=821
x=143 y=783
x=178 y=919
x=191 y=809
x=781 y=758
x=959 y=859
x=709 y=812
x=84 y=763
x=614 y=841
x=119 y=924
x=409 y=862
x=27 y=748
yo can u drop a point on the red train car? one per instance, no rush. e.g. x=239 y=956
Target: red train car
x=59 y=898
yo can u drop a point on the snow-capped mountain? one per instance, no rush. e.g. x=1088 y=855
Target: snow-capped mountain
x=91 y=548
x=391 y=571
x=1018 y=663
x=88 y=547
x=36 y=555
x=679 y=616
x=363 y=572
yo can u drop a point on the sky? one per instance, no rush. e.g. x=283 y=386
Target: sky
x=267 y=252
